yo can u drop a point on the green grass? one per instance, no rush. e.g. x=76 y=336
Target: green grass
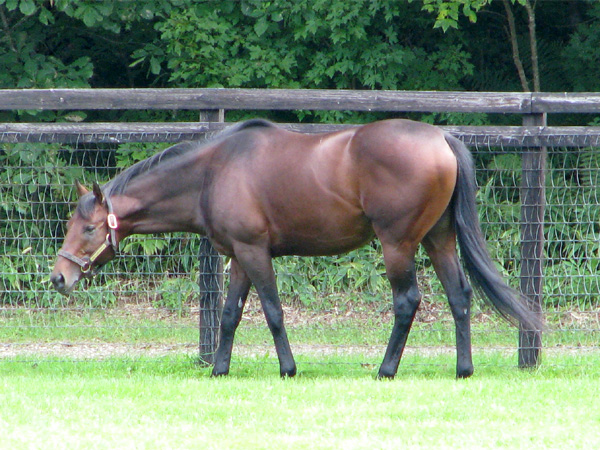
x=337 y=403
x=66 y=325
x=334 y=402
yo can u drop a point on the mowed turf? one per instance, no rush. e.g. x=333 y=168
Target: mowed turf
x=77 y=401
x=335 y=402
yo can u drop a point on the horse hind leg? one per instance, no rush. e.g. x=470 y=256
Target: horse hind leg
x=400 y=267
x=440 y=244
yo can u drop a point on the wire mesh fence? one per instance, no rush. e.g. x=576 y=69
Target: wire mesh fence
x=151 y=292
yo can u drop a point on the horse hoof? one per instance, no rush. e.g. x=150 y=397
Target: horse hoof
x=288 y=373
x=464 y=373
x=385 y=376
x=387 y=371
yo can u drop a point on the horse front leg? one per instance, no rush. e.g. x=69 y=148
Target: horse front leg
x=239 y=286
x=256 y=262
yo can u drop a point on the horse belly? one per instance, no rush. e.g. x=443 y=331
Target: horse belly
x=320 y=235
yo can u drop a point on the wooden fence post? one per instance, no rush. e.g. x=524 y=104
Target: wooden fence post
x=533 y=203
x=211 y=300
x=210 y=281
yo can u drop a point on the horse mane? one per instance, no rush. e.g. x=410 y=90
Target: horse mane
x=118 y=184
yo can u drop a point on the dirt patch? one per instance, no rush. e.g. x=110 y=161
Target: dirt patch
x=93 y=350
x=295 y=316
x=103 y=350
x=336 y=314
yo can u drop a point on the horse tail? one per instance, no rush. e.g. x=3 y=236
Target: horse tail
x=476 y=259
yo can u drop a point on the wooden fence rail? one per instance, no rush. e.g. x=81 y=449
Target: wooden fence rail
x=298 y=99
x=119 y=133
x=534 y=136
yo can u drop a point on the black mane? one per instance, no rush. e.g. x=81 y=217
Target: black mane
x=118 y=184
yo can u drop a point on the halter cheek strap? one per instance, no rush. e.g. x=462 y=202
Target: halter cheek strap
x=86 y=263
x=113 y=224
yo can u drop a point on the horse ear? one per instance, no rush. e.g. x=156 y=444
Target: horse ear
x=81 y=189
x=98 y=193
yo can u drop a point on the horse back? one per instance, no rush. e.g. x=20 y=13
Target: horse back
x=320 y=194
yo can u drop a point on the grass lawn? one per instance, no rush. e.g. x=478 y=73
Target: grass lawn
x=335 y=402
x=172 y=403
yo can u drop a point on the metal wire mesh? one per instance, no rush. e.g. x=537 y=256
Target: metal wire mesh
x=158 y=281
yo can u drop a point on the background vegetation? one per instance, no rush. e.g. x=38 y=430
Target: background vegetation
x=503 y=45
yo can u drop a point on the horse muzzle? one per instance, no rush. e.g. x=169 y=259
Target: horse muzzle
x=65 y=275
x=61 y=284
x=58 y=281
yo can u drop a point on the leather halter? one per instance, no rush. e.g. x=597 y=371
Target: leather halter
x=87 y=262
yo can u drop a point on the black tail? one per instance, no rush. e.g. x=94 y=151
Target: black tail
x=510 y=303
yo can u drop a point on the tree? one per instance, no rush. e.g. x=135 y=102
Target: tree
x=581 y=55
x=448 y=12
x=357 y=44
x=318 y=43
x=69 y=43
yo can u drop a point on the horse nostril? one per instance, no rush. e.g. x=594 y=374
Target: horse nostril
x=58 y=281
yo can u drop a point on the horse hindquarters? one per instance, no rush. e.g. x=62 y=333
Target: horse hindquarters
x=408 y=175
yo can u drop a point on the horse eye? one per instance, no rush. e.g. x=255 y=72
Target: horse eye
x=89 y=229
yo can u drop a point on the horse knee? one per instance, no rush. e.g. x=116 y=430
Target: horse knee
x=467 y=292
x=229 y=318
x=276 y=325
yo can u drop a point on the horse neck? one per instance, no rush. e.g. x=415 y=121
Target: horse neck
x=161 y=201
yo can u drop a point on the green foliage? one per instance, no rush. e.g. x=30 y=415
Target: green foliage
x=69 y=44
x=34 y=184
x=582 y=54
x=448 y=12
x=572 y=250
x=177 y=294
x=317 y=44
x=309 y=280
x=26 y=30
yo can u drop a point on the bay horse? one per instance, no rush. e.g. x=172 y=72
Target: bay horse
x=258 y=191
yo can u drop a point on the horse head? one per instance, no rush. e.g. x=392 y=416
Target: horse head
x=90 y=241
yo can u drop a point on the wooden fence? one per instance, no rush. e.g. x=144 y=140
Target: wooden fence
x=534 y=135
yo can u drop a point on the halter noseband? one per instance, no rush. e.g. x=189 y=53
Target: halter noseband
x=87 y=262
